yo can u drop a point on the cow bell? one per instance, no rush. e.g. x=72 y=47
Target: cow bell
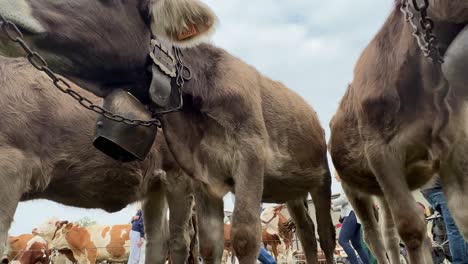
x=119 y=140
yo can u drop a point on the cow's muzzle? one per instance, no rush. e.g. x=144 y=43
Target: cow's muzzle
x=121 y=141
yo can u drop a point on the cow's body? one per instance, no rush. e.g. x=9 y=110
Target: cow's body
x=47 y=153
x=396 y=124
x=94 y=243
x=276 y=223
x=28 y=249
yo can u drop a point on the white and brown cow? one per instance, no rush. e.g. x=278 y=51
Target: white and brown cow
x=28 y=249
x=88 y=244
x=16 y=245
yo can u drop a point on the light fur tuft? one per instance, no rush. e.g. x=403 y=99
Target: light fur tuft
x=172 y=17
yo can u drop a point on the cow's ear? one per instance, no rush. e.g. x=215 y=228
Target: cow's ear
x=184 y=23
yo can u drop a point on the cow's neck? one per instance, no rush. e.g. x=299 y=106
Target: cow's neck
x=404 y=61
x=202 y=61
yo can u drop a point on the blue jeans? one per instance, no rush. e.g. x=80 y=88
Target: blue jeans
x=265 y=258
x=458 y=246
x=351 y=234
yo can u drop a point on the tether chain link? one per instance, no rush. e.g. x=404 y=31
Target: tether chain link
x=423 y=29
x=37 y=61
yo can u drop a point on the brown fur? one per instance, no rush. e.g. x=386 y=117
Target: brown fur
x=385 y=134
x=239 y=130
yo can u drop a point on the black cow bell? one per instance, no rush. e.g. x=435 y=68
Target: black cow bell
x=119 y=140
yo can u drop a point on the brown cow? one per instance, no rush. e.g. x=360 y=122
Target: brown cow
x=46 y=153
x=277 y=223
x=272 y=240
x=28 y=249
x=386 y=135
x=94 y=243
x=238 y=131
x=17 y=244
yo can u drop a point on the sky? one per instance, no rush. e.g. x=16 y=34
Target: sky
x=309 y=45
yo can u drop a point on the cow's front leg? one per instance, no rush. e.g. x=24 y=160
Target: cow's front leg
x=210 y=217
x=157 y=233
x=180 y=198
x=388 y=169
x=15 y=171
x=246 y=226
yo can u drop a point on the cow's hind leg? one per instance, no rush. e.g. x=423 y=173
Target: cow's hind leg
x=305 y=229
x=16 y=171
x=154 y=215
x=326 y=230
x=388 y=170
x=454 y=178
x=363 y=207
x=180 y=199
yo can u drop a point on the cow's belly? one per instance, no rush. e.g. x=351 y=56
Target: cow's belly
x=284 y=179
x=285 y=187
x=110 y=190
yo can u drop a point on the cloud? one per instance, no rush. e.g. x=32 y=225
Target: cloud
x=309 y=45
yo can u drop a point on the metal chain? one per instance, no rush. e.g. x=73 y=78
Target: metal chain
x=422 y=29
x=14 y=34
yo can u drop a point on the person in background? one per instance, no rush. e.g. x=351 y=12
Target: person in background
x=350 y=235
x=264 y=257
x=137 y=235
x=372 y=259
x=435 y=197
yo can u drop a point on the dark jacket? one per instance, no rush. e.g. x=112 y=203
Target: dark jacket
x=137 y=225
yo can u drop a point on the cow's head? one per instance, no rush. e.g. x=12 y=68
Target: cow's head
x=104 y=44
x=48 y=228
